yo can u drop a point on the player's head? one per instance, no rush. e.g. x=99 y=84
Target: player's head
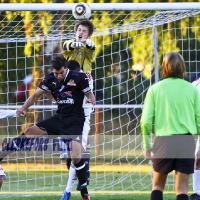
x=59 y=67
x=173 y=66
x=73 y=65
x=83 y=30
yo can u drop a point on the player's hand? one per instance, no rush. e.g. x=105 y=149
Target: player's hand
x=90 y=44
x=148 y=154
x=92 y=101
x=21 y=112
x=75 y=45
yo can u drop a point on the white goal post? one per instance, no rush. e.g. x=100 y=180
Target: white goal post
x=131 y=40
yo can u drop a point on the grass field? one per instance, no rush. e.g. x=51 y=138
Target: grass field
x=112 y=183
x=135 y=196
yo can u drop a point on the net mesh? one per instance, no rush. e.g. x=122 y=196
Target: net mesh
x=130 y=47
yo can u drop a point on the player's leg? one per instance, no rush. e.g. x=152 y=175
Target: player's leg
x=196 y=186
x=196 y=179
x=86 y=158
x=76 y=156
x=184 y=166
x=72 y=172
x=70 y=183
x=86 y=147
x=181 y=185
x=158 y=185
x=2 y=176
x=50 y=126
x=63 y=149
x=10 y=145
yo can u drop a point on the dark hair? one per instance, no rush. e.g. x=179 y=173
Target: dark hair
x=73 y=65
x=86 y=23
x=173 y=66
x=58 y=62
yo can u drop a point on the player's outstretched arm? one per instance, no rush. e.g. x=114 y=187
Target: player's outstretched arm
x=8 y=113
x=29 y=102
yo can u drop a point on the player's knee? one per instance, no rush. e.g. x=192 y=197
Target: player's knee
x=34 y=130
x=76 y=160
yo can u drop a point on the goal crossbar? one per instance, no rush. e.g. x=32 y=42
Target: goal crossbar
x=102 y=6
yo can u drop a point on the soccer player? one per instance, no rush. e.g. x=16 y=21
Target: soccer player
x=173 y=106
x=2 y=176
x=196 y=175
x=81 y=49
x=4 y=114
x=85 y=142
x=88 y=109
x=68 y=89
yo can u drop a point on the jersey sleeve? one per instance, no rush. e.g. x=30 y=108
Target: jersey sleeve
x=147 y=119
x=8 y=113
x=44 y=83
x=84 y=84
x=90 y=81
x=67 y=48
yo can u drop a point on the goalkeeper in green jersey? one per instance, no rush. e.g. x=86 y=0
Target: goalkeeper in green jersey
x=173 y=106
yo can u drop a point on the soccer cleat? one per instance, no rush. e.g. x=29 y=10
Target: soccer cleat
x=66 y=195
x=194 y=196
x=86 y=197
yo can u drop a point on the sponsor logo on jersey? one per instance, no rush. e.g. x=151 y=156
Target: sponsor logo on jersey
x=63 y=94
x=67 y=101
x=54 y=83
x=68 y=93
x=71 y=82
x=44 y=87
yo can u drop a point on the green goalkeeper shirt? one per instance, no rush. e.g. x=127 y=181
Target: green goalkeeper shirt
x=173 y=105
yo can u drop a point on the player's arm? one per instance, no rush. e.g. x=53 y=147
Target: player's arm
x=90 y=50
x=90 y=98
x=146 y=123
x=8 y=113
x=70 y=45
x=49 y=95
x=29 y=102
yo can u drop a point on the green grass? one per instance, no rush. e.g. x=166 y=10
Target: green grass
x=41 y=185
x=93 y=196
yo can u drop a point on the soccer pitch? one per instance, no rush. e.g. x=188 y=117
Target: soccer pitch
x=53 y=189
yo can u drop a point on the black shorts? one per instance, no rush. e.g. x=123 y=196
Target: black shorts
x=174 y=153
x=70 y=126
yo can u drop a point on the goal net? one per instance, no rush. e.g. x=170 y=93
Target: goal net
x=130 y=45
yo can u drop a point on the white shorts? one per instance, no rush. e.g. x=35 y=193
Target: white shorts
x=86 y=131
x=2 y=173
